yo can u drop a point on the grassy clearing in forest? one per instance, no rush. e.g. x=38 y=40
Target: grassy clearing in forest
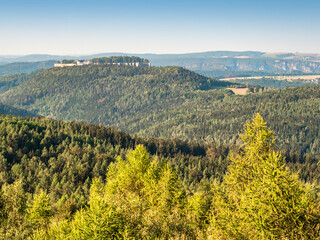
x=239 y=91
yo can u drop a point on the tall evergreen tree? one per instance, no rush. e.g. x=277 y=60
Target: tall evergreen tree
x=260 y=198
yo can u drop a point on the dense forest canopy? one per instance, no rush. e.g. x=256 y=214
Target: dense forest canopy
x=73 y=180
x=101 y=94
x=5 y=109
x=68 y=61
x=169 y=102
x=113 y=59
x=14 y=80
x=24 y=67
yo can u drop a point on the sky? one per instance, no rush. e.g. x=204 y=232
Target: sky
x=176 y=26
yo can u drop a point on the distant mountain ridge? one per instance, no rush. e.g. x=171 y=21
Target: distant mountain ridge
x=206 y=61
x=154 y=56
x=24 y=67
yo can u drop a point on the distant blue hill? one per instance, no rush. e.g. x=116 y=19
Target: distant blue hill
x=222 y=61
x=24 y=67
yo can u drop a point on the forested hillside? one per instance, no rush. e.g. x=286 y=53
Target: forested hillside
x=49 y=170
x=24 y=67
x=42 y=152
x=169 y=102
x=218 y=116
x=107 y=94
x=13 y=80
x=5 y=109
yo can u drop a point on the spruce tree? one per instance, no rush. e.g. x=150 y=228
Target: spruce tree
x=260 y=198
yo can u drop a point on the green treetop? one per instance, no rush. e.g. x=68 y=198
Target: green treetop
x=260 y=198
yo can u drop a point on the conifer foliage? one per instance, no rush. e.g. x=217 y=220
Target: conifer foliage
x=142 y=199
x=77 y=181
x=260 y=198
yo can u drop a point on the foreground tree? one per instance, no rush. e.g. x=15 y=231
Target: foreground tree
x=141 y=199
x=40 y=211
x=149 y=194
x=13 y=203
x=260 y=198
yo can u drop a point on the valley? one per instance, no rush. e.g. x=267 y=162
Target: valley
x=160 y=120
x=168 y=102
x=84 y=128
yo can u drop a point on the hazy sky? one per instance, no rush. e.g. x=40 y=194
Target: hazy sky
x=175 y=26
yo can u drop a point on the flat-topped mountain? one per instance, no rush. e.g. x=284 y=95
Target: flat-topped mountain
x=115 y=60
x=169 y=102
x=107 y=94
x=212 y=64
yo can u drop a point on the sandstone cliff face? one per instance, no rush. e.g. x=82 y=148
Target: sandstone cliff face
x=266 y=65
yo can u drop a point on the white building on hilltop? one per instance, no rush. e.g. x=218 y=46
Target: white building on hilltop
x=71 y=63
x=74 y=63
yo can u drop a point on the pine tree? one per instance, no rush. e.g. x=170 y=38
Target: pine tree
x=149 y=194
x=260 y=198
x=40 y=211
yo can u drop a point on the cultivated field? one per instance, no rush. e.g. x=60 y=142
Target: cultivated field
x=288 y=78
x=239 y=91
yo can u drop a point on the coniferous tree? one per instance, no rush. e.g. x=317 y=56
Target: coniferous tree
x=260 y=198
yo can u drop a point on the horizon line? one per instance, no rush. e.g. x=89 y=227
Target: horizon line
x=150 y=53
